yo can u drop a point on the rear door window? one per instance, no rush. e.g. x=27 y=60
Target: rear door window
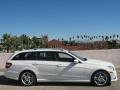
x=46 y=56
x=25 y=56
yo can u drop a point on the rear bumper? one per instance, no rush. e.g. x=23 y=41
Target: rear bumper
x=11 y=75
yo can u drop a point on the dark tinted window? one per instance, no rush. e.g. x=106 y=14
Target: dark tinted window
x=49 y=56
x=65 y=57
x=25 y=56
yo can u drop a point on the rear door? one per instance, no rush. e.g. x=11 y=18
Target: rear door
x=46 y=65
x=23 y=61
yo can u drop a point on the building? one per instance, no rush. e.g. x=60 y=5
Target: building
x=80 y=46
x=55 y=44
x=58 y=44
x=44 y=41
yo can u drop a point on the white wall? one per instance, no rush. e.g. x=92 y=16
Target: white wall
x=112 y=55
x=3 y=59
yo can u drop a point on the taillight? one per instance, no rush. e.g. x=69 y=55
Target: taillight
x=8 y=65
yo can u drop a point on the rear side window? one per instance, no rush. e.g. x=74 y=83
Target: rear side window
x=47 y=56
x=25 y=56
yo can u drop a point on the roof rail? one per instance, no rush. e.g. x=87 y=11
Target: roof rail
x=61 y=49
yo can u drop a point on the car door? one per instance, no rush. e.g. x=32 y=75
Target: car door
x=45 y=65
x=66 y=69
x=23 y=61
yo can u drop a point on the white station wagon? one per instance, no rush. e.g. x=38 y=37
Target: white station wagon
x=58 y=65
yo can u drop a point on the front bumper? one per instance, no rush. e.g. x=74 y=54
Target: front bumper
x=113 y=75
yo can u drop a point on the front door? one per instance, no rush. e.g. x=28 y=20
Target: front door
x=66 y=69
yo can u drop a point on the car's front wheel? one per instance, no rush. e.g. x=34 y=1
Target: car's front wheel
x=101 y=78
x=27 y=78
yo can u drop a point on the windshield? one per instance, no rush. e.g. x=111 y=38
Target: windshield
x=81 y=58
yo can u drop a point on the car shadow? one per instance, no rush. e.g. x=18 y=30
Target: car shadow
x=6 y=81
x=63 y=84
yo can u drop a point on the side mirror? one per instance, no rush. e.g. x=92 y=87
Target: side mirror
x=85 y=59
x=76 y=61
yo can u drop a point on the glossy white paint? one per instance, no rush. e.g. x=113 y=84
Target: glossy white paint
x=57 y=71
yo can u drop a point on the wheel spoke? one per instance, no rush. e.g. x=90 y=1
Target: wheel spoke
x=27 y=78
x=100 y=78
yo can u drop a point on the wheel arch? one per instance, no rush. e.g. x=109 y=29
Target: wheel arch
x=99 y=71
x=27 y=70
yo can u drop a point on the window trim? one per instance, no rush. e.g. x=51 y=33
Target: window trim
x=36 y=58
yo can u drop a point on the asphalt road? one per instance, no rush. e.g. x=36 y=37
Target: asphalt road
x=6 y=84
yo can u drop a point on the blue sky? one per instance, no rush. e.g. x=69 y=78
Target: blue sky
x=60 y=18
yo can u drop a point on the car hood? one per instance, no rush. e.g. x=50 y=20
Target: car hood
x=98 y=62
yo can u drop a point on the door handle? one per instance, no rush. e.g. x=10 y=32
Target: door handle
x=35 y=64
x=58 y=65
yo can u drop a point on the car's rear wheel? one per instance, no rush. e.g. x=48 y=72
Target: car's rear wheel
x=27 y=78
x=101 y=78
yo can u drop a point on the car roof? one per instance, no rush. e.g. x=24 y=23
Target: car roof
x=43 y=49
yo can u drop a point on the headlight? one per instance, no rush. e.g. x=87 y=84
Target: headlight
x=111 y=68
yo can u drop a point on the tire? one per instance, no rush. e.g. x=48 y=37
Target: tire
x=27 y=78
x=101 y=78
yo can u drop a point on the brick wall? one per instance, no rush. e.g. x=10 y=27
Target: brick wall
x=82 y=46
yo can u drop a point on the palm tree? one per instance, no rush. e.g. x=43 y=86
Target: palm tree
x=35 y=42
x=24 y=41
x=62 y=39
x=14 y=43
x=58 y=39
x=84 y=36
x=113 y=36
x=7 y=41
x=70 y=38
x=106 y=38
x=103 y=38
x=81 y=37
x=110 y=38
x=99 y=37
x=78 y=38
x=88 y=38
x=94 y=38
x=73 y=38
x=117 y=36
